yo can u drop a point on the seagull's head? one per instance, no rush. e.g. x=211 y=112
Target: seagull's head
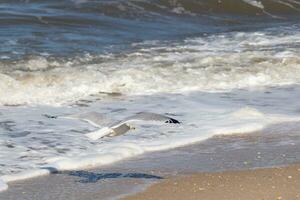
x=130 y=127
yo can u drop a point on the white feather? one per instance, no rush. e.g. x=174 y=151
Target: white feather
x=99 y=133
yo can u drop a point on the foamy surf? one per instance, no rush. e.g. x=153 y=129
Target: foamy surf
x=215 y=63
x=3 y=185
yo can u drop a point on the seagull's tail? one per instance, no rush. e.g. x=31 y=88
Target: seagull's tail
x=99 y=133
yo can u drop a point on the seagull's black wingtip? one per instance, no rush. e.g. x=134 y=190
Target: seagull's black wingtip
x=172 y=121
x=50 y=116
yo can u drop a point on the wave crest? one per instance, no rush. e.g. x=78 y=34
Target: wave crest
x=214 y=63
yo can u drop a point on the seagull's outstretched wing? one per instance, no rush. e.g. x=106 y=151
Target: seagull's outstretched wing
x=123 y=126
x=94 y=118
x=150 y=117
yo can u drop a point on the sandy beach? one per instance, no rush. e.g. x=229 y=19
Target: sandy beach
x=270 y=183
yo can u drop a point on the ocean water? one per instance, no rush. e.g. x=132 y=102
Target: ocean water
x=219 y=67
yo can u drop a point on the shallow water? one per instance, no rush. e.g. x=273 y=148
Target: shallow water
x=274 y=146
x=220 y=67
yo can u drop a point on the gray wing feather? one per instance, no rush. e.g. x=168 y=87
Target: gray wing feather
x=147 y=116
x=94 y=118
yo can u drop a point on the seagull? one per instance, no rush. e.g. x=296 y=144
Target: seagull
x=117 y=128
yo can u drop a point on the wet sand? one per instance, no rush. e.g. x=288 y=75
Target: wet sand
x=264 y=184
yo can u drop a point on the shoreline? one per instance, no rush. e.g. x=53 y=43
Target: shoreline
x=267 y=183
x=269 y=148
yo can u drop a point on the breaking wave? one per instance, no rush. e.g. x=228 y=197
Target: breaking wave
x=213 y=63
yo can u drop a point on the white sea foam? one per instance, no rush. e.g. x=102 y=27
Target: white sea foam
x=254 y=3
x=215 y=63
x=25 y=175
x=3 y=185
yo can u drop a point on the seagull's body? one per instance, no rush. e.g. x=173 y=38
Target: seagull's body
x=120 y=127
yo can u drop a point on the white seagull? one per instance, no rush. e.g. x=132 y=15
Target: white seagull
x=117 y=128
